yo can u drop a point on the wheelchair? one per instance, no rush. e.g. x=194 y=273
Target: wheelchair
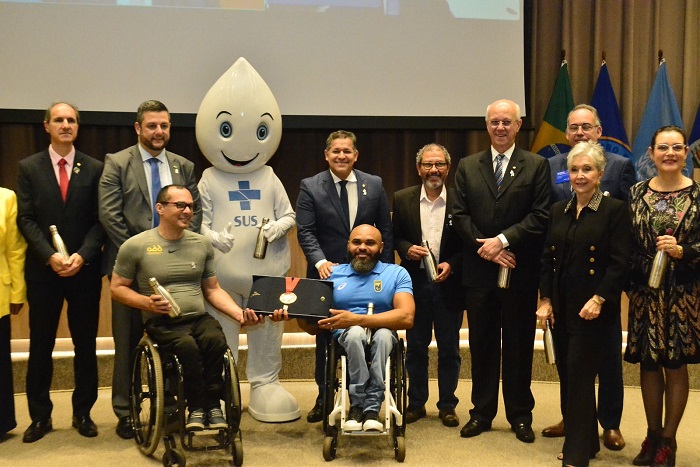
x=157 y=376
x=336 y=400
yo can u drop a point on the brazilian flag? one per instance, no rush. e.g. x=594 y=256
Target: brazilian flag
x=551 y=137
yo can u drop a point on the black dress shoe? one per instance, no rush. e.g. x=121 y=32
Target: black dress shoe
x=413 y=413
x=85 y=425
x=37 y=430
x=524 y=433
x=315 y=415
x=449 y=417
x=125 y=428
x=474 y=427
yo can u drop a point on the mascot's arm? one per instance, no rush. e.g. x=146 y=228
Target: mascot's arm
x=222 y=241
x=284 y=214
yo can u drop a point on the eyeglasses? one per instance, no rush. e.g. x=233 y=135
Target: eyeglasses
x=180 y=205
x=430 y=165
x=678 y=147
x=585 y=127
x=496 y=123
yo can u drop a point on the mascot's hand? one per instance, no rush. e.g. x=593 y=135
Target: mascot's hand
x=273 y=231
x=222 y=241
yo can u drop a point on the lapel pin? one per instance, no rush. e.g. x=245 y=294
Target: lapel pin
x=176 y=168
x=76 y=170
x=364 y=190
x=512 y=174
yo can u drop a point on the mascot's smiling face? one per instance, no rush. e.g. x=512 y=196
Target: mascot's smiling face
x=239 y=125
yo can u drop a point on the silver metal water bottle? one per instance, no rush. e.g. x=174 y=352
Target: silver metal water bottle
x=58 y=243
x=370 y=312
x=504 y=277
x=261 y=243
x=549 y=354
x=160 y=290
x=658 y=269
x=429 y=262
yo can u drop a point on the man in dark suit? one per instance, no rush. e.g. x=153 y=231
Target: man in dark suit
x=583 y=124
x=127 y=192
x=58 y=187
x=424 y=212
x=330 y=205
x=501 y=213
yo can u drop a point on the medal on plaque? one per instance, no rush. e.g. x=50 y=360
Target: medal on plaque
x=289 y=297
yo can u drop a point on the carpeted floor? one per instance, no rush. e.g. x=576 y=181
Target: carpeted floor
x=428 y=443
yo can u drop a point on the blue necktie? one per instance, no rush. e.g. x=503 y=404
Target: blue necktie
x=155 y=188
x=499 y=171
x=344 y=200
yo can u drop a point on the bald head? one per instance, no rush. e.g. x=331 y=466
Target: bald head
x=364 y=247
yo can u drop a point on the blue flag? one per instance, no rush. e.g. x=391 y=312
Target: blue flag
x=661 y=110
x=614 y=137
x=694 y=139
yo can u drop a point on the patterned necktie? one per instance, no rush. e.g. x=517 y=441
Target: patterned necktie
x=499 y=170
x=344 y=200
x=63 y=178
x=155 y=188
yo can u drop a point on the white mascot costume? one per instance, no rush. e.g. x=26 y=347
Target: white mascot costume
x=239 y=127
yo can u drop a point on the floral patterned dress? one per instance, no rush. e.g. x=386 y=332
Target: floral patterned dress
x=664 y=323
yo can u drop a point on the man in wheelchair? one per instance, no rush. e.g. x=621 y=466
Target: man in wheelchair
x=182 y=261
x=388 y=287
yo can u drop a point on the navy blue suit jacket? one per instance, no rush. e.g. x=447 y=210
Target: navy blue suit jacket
x=617 y=179
x=323 y=231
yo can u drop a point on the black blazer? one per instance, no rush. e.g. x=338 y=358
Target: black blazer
x=520 y=211
x=597 y=261
x=39 y=205
x=407 y=232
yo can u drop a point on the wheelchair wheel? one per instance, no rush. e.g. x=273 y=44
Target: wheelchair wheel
x=400 y=448
x=330 y=443
x=330 y=386
x=174 y=458
x=146 y=398
x=232 y=399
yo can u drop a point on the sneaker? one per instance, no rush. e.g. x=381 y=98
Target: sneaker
x=195 y=422
x=216 y=419
x=354 y=420
x=372 y=422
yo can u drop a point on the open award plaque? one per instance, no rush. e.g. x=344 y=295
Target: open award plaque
x=302 y=298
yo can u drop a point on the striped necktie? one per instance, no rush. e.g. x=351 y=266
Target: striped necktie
x=499 y=170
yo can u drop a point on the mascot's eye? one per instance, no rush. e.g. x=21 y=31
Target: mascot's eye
x=226 y=130
x=262 y=132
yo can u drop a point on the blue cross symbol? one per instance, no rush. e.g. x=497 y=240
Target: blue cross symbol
x=244 y=194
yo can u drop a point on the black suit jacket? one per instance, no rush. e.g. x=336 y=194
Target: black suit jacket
x=39 y=205
x=407 y=232
x=321 y=229
x=519 y=211
x=594 y=260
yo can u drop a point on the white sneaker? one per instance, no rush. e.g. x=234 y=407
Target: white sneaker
x=372 y=422
x=354 y=420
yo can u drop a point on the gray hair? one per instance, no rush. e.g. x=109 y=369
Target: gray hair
x=588 y=148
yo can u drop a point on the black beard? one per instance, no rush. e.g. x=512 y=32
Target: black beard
x=363 y=265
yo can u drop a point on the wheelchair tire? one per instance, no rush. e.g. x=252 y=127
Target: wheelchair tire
x=232 y=395
x=330 y=444
x=398 y=381
x=400 y=448
x=330 y=383
x=237 y=450
x=146 y=398
x=174 y=458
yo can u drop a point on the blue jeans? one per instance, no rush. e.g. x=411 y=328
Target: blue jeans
x=366 y=385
